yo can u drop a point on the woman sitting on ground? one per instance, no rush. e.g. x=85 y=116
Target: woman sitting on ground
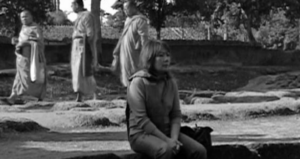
x=154 y=110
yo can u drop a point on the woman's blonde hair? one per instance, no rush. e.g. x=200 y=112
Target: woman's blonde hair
x=149 y=52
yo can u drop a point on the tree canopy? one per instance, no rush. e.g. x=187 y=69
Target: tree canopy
x=157 y=12
x=117 y=20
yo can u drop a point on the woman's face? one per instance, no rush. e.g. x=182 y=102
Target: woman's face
x=162 y=61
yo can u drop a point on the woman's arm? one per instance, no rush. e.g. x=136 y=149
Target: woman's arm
x=175 y=115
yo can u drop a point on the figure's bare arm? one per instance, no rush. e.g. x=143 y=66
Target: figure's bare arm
x=37 y=35
x=143 y=31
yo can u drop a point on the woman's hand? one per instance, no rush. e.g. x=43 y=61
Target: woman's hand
x=175 y=145
x=95 y=64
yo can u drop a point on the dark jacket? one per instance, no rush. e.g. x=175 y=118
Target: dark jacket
x=153 y=102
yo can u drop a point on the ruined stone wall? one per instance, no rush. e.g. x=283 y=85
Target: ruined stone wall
x=185 y=52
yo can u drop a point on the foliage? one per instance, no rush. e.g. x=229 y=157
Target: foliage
x=251 y=14
x=64 y=33
x=156 y=11
x=117 y=20
x=58 y=18
x=118 y=4
x=11 y=8
x=247 y=14
x=56 y=4
x=279 y=32
x=200 y=9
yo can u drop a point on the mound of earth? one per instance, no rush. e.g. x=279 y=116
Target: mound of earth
x=190 y=98
x=198 y=112
x=84 y=120
x=90 y=105
x=20 y=125
x=65 y=106
x=289 y=80
x=244 y=97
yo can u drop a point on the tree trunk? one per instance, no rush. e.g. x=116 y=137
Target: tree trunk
x=225 y=32
x=95 y=8
x=17 y=26
x=208 y=32
x=158 y=29
x=54 y=5
x=57 y=5
x=160 y=13
x=299 y=31
x=249 y=31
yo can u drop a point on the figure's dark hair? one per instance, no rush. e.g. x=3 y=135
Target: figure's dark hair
x=80 y=3
x=27 y=11
x=131 y=3
x=149 y=52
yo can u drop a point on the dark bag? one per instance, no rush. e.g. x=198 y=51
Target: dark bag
x=127 y=113
x=200 y=134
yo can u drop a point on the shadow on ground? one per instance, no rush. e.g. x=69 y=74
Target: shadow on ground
x=71 y=144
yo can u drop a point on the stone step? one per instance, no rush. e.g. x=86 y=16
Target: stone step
x=254 y=151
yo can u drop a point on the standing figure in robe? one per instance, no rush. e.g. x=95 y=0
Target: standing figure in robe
x=84 y=52
x=30 y=79
x=127 y=52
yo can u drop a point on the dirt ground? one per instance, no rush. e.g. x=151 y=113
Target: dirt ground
x=63 y=143
x=220 y=78
x=70 y=137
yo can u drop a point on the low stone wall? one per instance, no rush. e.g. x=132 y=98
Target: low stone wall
x=255 y=151
x=185 y=52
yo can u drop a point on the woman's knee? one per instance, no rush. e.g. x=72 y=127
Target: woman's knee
x=199 y=152
x=164 y=150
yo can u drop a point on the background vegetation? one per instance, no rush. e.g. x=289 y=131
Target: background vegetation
x=272 y=23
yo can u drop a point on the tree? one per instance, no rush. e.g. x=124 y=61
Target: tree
x=96 y=10
x=157 y=12
x=117 y=20
x=56 y=4
x=11 y=9
x=248 y=13
x=118 y=4
x=277 y=32
x=102 y=14
x=59 y=17
x=251 y=13
x=201 y=11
